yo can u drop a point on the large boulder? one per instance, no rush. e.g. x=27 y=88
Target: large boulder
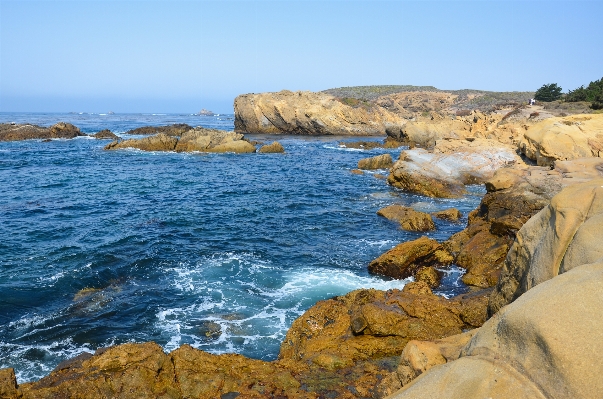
x=408 y=218
x=61 y=130
x=272 y=148
x=383 y=161
x=565 y=234
x=445 y=171
x=566 y=138
x=310 y=113
x=546 y=344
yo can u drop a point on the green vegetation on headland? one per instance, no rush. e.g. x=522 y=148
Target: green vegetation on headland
x=593 y=94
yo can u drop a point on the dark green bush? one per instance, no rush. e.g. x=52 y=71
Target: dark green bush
x=548 y=93
x=590 y=93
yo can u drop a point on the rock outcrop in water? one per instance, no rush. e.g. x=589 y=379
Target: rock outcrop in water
x=15 y=132
x=309 y=113
x=197 y=139
x=177 y=129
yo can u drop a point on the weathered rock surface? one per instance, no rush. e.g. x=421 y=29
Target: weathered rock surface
x=309 y=113
x=383 y=161
x=366 y=324
x=406 y=258
x=272 y=148
x=105 y=134
x=408 y=218
x=369 y=145
x=444 y=172
x=451 y=214
x=61 y=130
x=546 y=344
x=177 y=129
x=566 y=138
x=198 y=139
x=565 y=234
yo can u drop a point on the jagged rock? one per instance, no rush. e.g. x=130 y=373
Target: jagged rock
x=159 y=142
x=366 y=324
x=404 y=259
x=105 y=134
x=369 y=145
x=445 y=172
x=309 y=113
x=543 y=345
x=566 y=138
x=177 y=129
x=383 y=161
x=198 y=139
x=408 y=218
x=565 y=234
x=272 y=148
x=429 y=276
x=61 y=130
x=451 y=214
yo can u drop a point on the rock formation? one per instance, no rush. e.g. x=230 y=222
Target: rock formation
x=105 y=134
x=383 y=161
x=408 y=218
x=309 y=113
x=445 y=171
x=197 y=139
x=563 y=139
x=272 y=148
x=61 y=130
x=177 y=129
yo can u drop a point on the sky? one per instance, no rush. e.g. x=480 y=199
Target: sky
x=181 y=56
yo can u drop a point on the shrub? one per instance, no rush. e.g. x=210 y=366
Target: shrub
x=548 y=93
x=593 y=93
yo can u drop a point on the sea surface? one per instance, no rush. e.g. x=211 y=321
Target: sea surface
x=219 y=251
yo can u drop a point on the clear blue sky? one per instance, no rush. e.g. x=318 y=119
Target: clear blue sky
x=181 y=56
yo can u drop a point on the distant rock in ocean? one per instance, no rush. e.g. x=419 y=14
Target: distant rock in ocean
x=15 y=132
x=205 y=112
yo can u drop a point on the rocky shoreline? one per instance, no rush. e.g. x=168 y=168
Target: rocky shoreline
x=528 y=327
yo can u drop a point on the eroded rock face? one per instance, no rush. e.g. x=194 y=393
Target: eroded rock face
x=451 y=214
x=61 y=130
x=368 y=324
x=408 y=218
x=105 y=134
x=445 y=171
x=383 y=161
x=565 y=234
x=406 y=258
x=309 y=113
x=543 y=345
x=566 y=138
x=198 y=139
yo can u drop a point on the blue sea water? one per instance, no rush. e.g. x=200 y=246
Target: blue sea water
x=220 y=251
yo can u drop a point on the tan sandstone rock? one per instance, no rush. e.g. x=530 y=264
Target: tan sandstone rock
x=383 y=161
x=451 y=214
x=546 y=344
x=565 y=138
x=310 y=113
x=272 y=148
x=408 y=218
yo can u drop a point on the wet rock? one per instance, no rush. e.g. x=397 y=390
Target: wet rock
x=160 y=142
x=356 y=172
x=566 y=138
x=272 y=148
x=105 y=134
x=8 y=384
x=404 y=259
x=210 y=329
x=389 y=142
x=383 y=161
x=309 y=113
x=177 y=129
x=61 y=130
x=408 y=218
x=429 y=276
x=451 y=214
x=213 y=140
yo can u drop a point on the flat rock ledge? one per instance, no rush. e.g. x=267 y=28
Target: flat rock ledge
x=16 y=132
x=197 y=139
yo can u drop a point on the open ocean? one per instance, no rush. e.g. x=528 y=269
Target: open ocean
x=220 y=251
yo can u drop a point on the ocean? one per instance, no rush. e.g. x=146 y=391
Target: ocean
x=219 y=251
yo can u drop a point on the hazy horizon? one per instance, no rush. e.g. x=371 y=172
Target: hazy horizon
x=182 y=56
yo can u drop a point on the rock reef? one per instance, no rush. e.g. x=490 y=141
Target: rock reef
x=15 y=132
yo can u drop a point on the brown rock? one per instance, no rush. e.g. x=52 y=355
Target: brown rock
x=429 y=276
x=357 y=172
x=272 y=148
x=8 y=384
x=159 y=142
x=213 y=140
x=408 y=218
x=383 y=161
x=61 y=130
x=310 y=113
x=404 y=259
x=451 y=214
x=105 y=134
x=177 y=129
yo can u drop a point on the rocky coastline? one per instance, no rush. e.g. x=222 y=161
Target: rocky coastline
x=529 y=325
